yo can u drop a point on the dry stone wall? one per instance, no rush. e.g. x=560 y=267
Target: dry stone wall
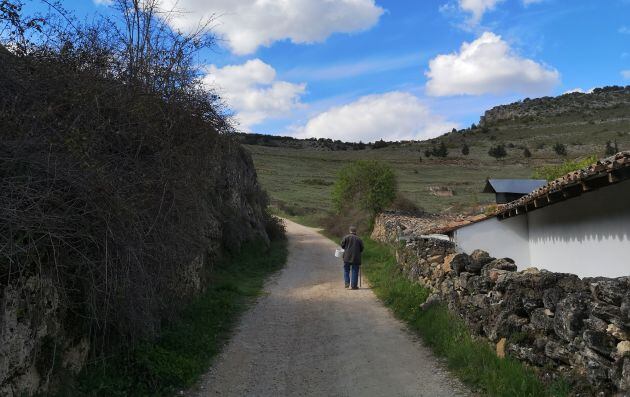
x=557 y=322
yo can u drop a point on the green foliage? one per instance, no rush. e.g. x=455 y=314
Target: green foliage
x=440 y=151
x=366 y=184
x=379 y=144
x=552 y=172
x=497 y=151
x=611 y=149
x=187 y=346
x=560 y=149
x=465 y=150
x=527 y=153
x=473 y=361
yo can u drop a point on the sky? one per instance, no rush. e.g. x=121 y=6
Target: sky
x=362 y=70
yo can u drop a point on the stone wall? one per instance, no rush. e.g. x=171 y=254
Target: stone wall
x=559 y=322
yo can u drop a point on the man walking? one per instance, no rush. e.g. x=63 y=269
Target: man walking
x=353 y=246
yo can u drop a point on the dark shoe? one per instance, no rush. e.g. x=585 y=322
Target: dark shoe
x=347 y=285
x=355 y=287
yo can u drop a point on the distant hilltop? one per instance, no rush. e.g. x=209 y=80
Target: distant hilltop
x=608 y=97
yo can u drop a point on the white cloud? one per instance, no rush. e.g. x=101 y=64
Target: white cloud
x=477 y=8
x=528 y=2
x=624 y=30
x=579 y=90
x=102 y=2
x=252 y=91
x=391 y=116
x=625 y=74
x=248 y=24
x=488 y=66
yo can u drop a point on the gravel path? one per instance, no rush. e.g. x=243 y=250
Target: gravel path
x=308 y=336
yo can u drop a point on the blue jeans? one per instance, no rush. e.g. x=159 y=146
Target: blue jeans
x=355 y=274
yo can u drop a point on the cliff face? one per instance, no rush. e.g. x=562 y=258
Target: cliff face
x=582 y=103
x=114 y=205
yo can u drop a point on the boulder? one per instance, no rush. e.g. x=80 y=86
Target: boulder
x=569 y=315
x=540 y=321
x=459 y=263
x=559 y=351
x=477 y=260
x=611 y=291
x=506 y=264
x=600 y=342
x=551 y=297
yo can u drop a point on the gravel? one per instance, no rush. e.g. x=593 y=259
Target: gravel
x=309 y=336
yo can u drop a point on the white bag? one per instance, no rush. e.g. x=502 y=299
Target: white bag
x=339 y=253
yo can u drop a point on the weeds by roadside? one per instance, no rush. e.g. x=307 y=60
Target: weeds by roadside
x=473 y=361
x=186 y=347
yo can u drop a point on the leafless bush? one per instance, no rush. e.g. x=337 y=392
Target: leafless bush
x=115 y=166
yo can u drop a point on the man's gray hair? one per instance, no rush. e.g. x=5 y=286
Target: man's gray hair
x=353 y=229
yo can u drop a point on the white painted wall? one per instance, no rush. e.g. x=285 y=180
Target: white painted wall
x=508 y=238
x=588 y=235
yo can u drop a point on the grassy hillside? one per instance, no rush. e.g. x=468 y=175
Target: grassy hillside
x=299 y=180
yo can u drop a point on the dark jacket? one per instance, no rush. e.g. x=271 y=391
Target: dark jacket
x=353 y=247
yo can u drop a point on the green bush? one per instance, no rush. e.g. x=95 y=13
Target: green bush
x=497 y=151
x=551 y=172
x=369 y=185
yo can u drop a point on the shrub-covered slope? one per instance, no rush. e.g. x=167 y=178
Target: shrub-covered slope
x=115 y=201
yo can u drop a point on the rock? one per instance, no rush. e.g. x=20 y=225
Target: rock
x=623 y=348
x=549 y=313
x=611 y=291
x=624 y=381
x=433 y=299
x=558 y=351
x=540 y=321
x=501 y=264
x=436 y=259
x=501 y=348
x=606 y=312
x=478 y=259
x=600 y=342
x=597 y=367
x=531 y=270
x=617 y=332
x=446 y=265
x=551 y=297
x=570 y=313
x=459 y=262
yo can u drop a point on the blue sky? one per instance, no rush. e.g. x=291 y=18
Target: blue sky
x=393 y=69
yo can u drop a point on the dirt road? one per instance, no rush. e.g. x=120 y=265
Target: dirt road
x=308 y=336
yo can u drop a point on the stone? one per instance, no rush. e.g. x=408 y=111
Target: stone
x=459 y=262
x=595 y=324
x=611 y=291
x=551 y=297
x=624 y=381
x=501 y=348
x=531 y=270
x=558 y=351
x=606 y=312
x=540 y=321
x=570 y=313
x=618 y=332
x=600 y=342
x=481 y=256
x=501 y=264
x=623 y=347
x=436 y=259
x=433 y=299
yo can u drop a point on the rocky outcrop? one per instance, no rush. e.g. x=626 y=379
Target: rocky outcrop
x=584 y=103
x=557 y=322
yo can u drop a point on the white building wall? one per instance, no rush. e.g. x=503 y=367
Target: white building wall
x=587 y=235
x=508 y=238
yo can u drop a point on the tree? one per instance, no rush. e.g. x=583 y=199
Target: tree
x=440 y=151
x=371 y=185
x=527 y=153
x=473 y=126
x=465 y=150
x=560 y=149
x=610 y=149
x=379 y=144
x=497 y=151
x=454 y=131
x=427 y=153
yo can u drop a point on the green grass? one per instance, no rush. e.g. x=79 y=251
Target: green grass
x=473 y=361
x=186 y=348
x=288 y=174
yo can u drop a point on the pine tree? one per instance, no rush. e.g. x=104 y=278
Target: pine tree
x=527 y=153
x=465 y=150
